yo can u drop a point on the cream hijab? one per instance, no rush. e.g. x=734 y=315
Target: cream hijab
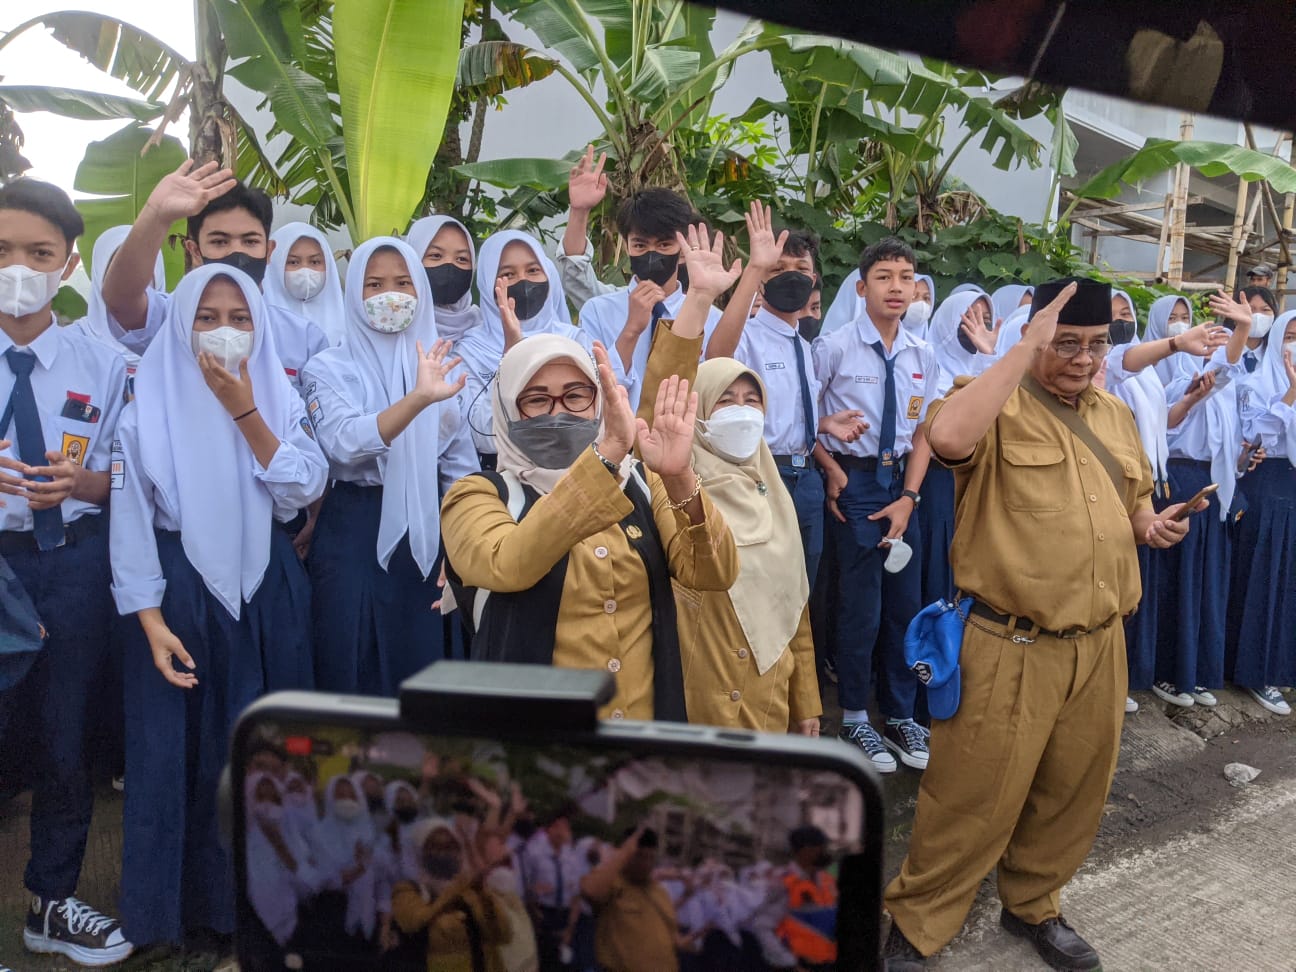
x=772 y=590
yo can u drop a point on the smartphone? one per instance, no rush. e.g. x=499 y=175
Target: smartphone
x=1250 y=454
x=362 y=841
x=1190 y=507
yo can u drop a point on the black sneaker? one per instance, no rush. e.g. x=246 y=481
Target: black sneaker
x=72 y=928
x=863 y=735
x=908 y=740
x=900 y=954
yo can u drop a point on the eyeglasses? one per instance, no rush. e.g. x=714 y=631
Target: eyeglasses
x=1069 y=349
x=577 y=399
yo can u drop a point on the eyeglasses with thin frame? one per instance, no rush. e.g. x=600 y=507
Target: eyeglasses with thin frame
x=576 y=399
x=1069 y=349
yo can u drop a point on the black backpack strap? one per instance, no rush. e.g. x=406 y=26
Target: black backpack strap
x=466 y=596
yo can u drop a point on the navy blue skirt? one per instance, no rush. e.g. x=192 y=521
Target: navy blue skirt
x=936 y=519
x=1263 y=605
x=176 y=876
x=1141 y=626
x=1193 y=590
x=373 y=627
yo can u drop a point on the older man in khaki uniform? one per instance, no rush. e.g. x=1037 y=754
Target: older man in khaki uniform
x=1045 y=533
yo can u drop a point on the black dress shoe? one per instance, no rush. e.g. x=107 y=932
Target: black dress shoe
x=1055 y=940
x=900 y=953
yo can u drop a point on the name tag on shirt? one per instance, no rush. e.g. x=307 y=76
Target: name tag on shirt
x=866 y=379
x=774 y=366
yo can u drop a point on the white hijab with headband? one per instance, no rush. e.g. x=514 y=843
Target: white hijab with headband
x=1269 y=382
x=771 y=592
x=1145 y=395
x=453 y=320
x=325 y=308
x=387 y=365
x=943 y=336
x=194 y=454
x=96 y=322
x=516 y=370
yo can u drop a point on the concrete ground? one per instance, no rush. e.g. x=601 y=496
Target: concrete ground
x=1188 y=873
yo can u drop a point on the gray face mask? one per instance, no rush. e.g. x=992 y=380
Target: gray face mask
x=553 y=441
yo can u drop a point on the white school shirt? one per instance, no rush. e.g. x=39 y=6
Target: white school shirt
x=768 y=347
x=296 y=340
x=1190 y=439
x=604 y=317
x=1276 y=424
x=349 y=435
x=73 y=374
x=543 y=865
x=854 y=377
x=294 y=479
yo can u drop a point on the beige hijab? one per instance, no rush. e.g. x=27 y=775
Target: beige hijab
x=771 y=592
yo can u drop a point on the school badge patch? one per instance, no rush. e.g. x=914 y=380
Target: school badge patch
x=75 y=447
x=633 y=532
x=306 y=427
x=915 y=407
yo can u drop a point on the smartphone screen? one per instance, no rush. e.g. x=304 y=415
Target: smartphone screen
x=374 y=847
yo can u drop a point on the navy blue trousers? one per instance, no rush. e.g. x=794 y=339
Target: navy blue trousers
x=807 y=490
x=1262 y=607
x=873 y=608
x=176 y=876
x=373 y=627
x=936 y=520
x=49 y=714
x=1194 y=589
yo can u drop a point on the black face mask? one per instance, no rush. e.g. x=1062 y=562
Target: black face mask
x=1122 y=332
x=448 y=283
x=809 y=327
x=406 y=814
x=682 y=277
x=789 y=291
x=965 y=342
x=254 y=267
x=443 y=867
x=554 y=441
x=529 y=298
x=654 y=266
x=375 y=803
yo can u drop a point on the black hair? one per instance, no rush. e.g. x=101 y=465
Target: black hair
x=656 y=213
x=818 y=284
x=249 y=198
x=802 y=243
x=887 y=248
x=1264 y=293
x=647 y=840
x=47 y=201
x=807 y=836
x=564 y=811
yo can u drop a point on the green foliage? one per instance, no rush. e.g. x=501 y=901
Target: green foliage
x=68 y=305
x=72 y=103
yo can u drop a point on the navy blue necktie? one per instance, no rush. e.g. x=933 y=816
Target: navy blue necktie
x=807 y=405
x=1249 y=359
x=658 y=312
x=886 y=440
x=22 y=411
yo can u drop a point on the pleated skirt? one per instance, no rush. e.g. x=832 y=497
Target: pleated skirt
x=1262 y=614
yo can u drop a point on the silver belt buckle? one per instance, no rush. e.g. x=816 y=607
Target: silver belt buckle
x=798 y=462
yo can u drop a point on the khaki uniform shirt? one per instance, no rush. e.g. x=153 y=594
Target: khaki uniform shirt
x=1039 y=530
x=605 y=618
x=636 y=929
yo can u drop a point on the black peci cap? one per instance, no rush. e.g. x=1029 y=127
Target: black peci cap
x=1089 y=306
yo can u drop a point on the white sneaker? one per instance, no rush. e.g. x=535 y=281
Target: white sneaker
x=863 y=735
x=1203 y=696
x=1271 y=699
x=1169 y=693
x=1130 y=705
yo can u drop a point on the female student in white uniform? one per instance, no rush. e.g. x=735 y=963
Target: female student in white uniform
x=516 y=264
x=449 y=258
x=215 y=457
x=303 y=277
x=395 y=439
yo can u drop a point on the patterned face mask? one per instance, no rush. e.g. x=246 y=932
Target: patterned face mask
x=390 y=312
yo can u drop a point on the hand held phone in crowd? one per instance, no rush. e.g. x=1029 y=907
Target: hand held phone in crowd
x=490 y=821
x=1189 y=508
x=1249 y=455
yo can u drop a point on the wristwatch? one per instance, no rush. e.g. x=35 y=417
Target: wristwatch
x=913 y=496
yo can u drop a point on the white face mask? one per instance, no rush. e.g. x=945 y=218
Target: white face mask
x=346 y=809
x=918 y=314
x=1177 y=328
x=268 y=812
x=303 y=284
x=735 y=431
x=1260 y=324
x=1290 y=348
x=24 y=291
x=390 y=312
x=228 y=344
x=899 y=557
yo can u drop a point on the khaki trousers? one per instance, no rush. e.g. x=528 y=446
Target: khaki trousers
x=1018 y=778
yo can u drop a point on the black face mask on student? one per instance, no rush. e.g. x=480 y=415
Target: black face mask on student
x=529 y=298
x=254 y=267
x=789 y=291
x=654 y=266
x=965 y=342
x=809 y=327
x=448 y=283
x=1121 y=332
x=375 y=802
x=406 y=814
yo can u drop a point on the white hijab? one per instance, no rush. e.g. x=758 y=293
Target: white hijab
x=1182 y=364
x=453 y=320
x=1146 y=398
x=848 y=305
x=325 y=308
x=388 y=368
x=943 y=335
x=1269 y=383
x=194 y=454
x=1010 y=331
x=336 y=845
x=95 y=324
x=1006 y=299
x=271 y=887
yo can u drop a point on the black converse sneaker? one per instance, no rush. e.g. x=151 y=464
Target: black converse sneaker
x=72 y=928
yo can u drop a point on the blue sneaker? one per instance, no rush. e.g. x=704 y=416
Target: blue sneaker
x=863 y=735
x=1271 y=699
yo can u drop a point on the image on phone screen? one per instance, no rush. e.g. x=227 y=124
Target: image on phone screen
x=404 y=851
